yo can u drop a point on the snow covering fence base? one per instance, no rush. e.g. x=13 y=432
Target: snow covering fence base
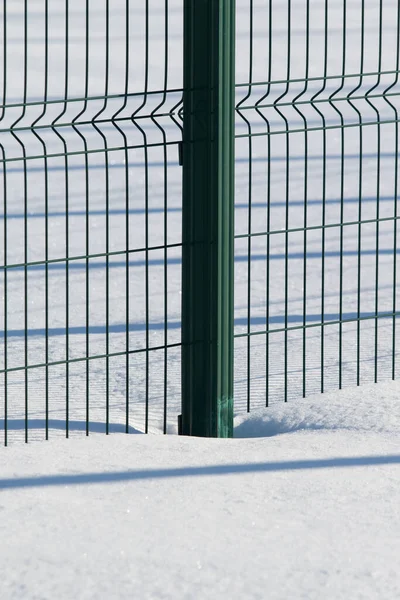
x=118 y=123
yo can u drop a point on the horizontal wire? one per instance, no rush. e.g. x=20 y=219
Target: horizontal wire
x=321 y=78
x=87 y=257
x=319 y=324
x=308 y=129
x=349 y=98
x=92 y=122
x=91 y=98
x=179 y=245
x=155 y=116
x=180 y=90
x=165 y=143
x=315 y=227
x=84 y=152
x=86 y=358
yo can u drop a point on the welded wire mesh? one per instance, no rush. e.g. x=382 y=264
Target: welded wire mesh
x=90 y=246
x=90 y=216
x=316 y=196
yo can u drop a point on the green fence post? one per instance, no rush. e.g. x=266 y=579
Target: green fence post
x=208 y=218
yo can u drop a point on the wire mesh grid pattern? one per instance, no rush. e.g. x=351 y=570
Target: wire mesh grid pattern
x=91 y=216
x=317 y=184
x=91 y=200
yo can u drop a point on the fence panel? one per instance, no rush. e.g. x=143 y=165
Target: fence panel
x=91 y=207
x=317 y=141
x=90 y=248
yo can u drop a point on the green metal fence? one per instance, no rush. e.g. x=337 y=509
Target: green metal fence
x=317 y=131
x=129 y=139
x=91 y=204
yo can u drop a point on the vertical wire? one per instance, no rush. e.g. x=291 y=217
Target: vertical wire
x=249 y=220
x=46 y=200
x=107 y=208
x=360 y=182
x=146 y=201
x=359 y=236
x=305 y=203
x=66 y=224
x=4 y=92
x=145 y=146
x=26 y=221
x=287 y=208
x=107 y=190
x=87 y=223
x=395 y=215
x=25 y=204
x=146 y=183
x=268 y=273
x=305 y=190
x=258 y=107
x=342 y=143
x=378 y=181
x=165 y=157
x=166 y=34
x=127 y=228
x=5 y=227
x=87 y=228
x=66 y=180
x=153 y=115
x=323 y=216
x=323 y=240
x=46 y=210
x=287 y=195
x=5 y=299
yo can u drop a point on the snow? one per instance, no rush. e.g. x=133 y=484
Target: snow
x=304 y=502
x=307 y=508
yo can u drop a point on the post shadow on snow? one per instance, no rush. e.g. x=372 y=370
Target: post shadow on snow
x=59 y=424
x=160 y=326
x=213 y=470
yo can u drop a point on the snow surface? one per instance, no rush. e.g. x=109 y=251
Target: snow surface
x=308 y=510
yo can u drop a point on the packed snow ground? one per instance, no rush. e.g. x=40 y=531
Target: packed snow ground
x=307 y=508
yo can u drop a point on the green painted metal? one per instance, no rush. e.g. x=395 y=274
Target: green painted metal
x=304 y=100
x=208 y=218
x=286 y=102
x=76 y=128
